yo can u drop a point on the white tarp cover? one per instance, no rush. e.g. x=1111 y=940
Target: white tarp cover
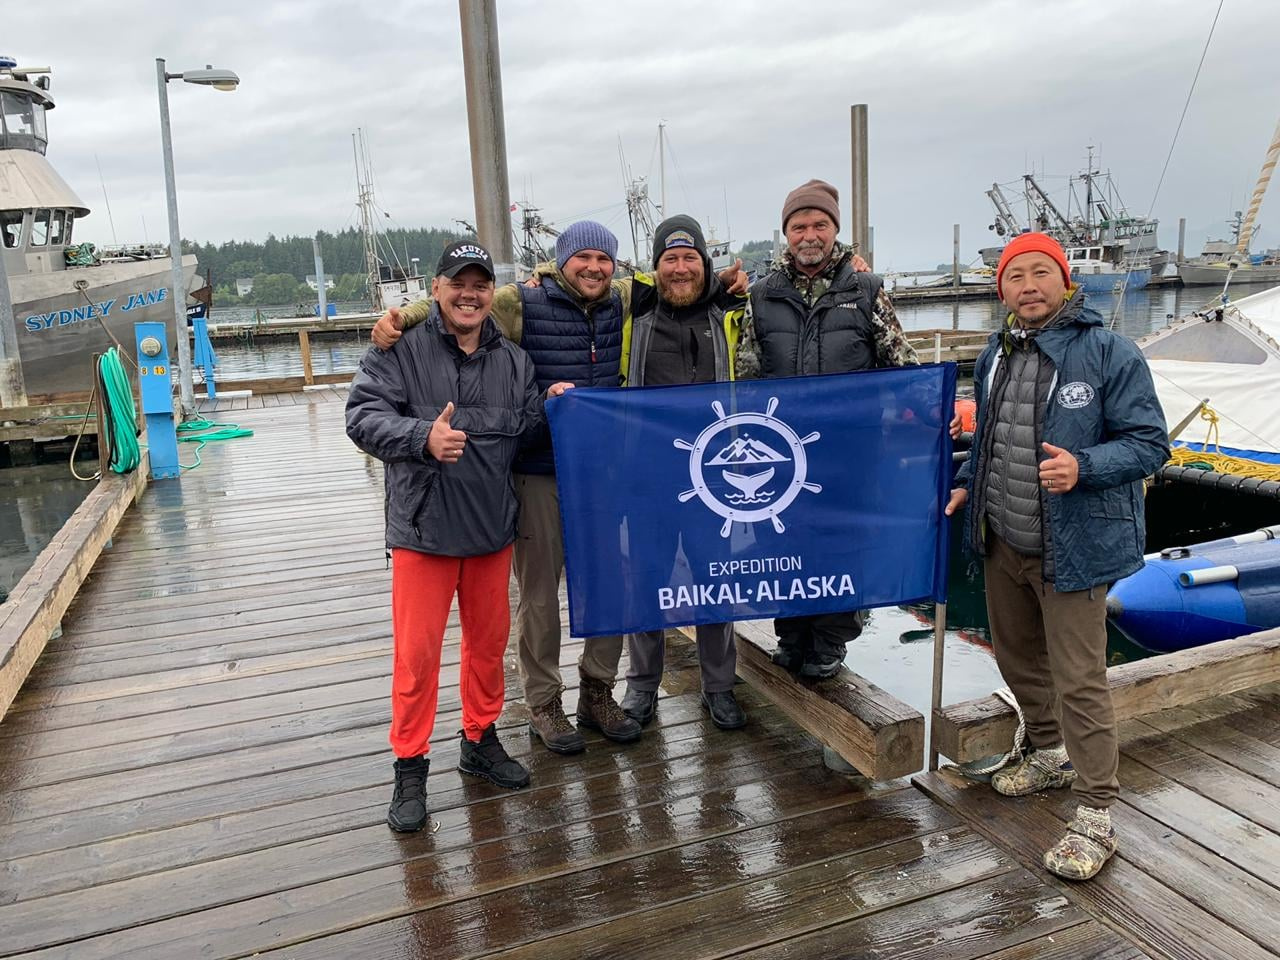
x=1234 y=364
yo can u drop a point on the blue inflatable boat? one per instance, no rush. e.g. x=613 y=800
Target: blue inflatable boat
x=1188 y=596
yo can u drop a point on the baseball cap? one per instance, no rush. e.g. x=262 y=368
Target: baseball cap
x=465 y=253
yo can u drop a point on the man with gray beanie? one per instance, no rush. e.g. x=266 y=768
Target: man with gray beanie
x=570 y=324
x=684 y=329
x=818 y=310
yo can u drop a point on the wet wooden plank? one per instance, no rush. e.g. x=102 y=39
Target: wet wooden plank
x=1157 y=916
x=873 y=730
x=292 y=912
x=760 y=883
x=984 y=727
x=301 y=840
x=1090 y=940
x=39 y=600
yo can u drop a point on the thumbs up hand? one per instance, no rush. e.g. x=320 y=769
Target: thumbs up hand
x=388 y=329
x=443 y=442
x=1058 y=473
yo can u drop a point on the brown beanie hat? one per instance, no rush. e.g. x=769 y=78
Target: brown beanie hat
x=817 y=194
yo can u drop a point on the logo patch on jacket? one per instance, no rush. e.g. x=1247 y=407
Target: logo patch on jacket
x=1075 y=395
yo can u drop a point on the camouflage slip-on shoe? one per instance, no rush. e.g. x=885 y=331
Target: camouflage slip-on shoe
x=1088 y=843
x=1042 y=770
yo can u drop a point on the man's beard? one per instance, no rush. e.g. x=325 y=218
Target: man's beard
x=681 y=297
x=810 y=255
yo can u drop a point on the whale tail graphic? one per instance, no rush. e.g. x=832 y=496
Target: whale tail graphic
x=749 y=484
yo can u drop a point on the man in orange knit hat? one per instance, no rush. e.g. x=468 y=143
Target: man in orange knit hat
x=1068 y=425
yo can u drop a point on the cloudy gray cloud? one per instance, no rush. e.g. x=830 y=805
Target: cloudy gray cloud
x=756 y=97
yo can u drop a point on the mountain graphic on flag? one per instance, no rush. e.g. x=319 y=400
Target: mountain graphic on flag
x=746 y=450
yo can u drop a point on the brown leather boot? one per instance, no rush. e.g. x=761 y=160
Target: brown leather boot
x=598 y=711
x=549 y=724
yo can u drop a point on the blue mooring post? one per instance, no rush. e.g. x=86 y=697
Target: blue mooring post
x=206 y=359
x=156 y=387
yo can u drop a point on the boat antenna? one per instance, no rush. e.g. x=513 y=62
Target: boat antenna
x=110 y=219
x=1115 y=312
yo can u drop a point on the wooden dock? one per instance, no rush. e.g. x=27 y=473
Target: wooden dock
x=198 y=767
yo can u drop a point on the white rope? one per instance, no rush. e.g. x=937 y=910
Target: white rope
x=1015 y=752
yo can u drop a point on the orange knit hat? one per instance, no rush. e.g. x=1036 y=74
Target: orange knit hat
x=1033 y=243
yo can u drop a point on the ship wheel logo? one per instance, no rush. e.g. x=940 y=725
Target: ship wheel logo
x=748 y=467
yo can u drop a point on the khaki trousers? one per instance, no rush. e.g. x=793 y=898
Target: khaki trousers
x=1052 y=651
x=538 y=562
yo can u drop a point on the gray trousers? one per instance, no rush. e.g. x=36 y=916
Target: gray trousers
x=717 y=657
x=1052 y=651
x=538 y=561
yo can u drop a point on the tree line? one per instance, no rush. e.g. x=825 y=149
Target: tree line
x=279 y=266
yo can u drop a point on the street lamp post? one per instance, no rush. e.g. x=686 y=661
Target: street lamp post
x=219 y=80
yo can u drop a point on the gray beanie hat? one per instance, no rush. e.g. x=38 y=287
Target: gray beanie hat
x=585 y=235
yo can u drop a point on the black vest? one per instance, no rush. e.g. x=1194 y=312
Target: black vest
x=835 y=335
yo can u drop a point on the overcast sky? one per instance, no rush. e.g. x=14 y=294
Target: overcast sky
x=755 y=95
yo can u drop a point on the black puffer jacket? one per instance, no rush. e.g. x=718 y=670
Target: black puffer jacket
x=462 y=509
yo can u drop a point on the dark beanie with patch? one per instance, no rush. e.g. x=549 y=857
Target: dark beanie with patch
x=678 y=231
x=815 y=195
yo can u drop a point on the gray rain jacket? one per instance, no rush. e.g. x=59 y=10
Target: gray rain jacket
x=462 y=509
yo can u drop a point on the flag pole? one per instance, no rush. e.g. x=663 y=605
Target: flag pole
x=939 y=650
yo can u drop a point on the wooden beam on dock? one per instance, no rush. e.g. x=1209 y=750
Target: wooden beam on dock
x=877 y=733
x=984 y=727
x=37 y=603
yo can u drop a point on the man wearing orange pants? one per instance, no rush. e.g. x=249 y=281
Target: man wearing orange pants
x=447 y=409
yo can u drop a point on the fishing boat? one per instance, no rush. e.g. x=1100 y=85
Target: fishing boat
x=1109 y=248
x=1222 y=262
x=70 y=300
x=1189 y=596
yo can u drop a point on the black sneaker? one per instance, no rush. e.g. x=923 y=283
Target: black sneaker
x=408 y=810
x=724 y=710
x=489 y=760
x=640 y=705
x=818 y=667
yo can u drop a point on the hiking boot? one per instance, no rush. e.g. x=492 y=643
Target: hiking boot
x=549 y=724
x=597 y=711
x=408 y=810
x=487 y=758
x=1089 y=842
x=724 y=710
x=1041 y=770
x=821 y=666
x=640 y=705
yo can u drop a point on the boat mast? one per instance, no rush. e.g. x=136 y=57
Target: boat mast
x=662 y=168
x=364 y=199
x=1259 y=191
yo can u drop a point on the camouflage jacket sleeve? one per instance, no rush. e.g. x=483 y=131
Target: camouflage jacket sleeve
x=892 y=349
x=746 y=361
x=415 y=313
x=506 y=312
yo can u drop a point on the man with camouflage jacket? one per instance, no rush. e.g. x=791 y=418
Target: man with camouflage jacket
x=818 y=310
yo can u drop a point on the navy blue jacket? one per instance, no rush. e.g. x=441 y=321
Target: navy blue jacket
x=567 y=342
x=1102 y=407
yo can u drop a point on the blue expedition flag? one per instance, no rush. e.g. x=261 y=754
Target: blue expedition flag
x=762 y=498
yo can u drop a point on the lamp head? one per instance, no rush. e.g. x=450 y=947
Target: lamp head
x=209 y=77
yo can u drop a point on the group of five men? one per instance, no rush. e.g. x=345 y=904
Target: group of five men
x=451 y=399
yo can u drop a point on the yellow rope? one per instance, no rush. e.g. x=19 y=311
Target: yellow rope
x=1214 y=459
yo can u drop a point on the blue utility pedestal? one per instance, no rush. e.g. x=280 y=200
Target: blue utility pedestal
x=155 y=385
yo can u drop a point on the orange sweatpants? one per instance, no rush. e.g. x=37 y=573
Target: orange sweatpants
x=422 y=590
